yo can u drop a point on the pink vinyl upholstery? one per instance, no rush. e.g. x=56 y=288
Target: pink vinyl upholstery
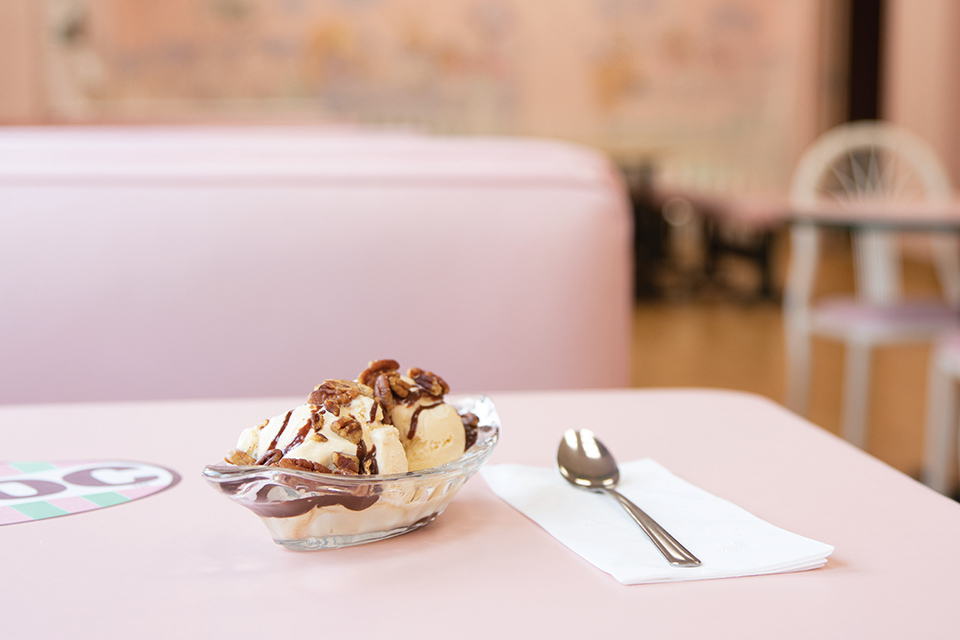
x=151 y=263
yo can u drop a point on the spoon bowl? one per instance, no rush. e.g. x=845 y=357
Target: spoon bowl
x=587 y=464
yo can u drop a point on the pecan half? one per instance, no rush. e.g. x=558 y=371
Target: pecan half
x=348 y=428
x=316 y=423
x=239 y=458
x=346 y=465
x=430 y=382
x=375 y=407
x=383 y=394
x=271 y=457
x=399 y=386
x=375 y=368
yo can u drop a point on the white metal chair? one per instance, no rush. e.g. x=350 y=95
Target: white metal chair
x=864 y=162
x=943 y=410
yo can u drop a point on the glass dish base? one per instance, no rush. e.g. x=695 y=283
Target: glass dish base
x=339 y=542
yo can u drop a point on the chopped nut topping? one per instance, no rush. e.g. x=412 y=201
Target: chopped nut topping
x=399 y=386
x=271 y=457
x=430 y=382
x=239 y=458
x=316 y=423
x=382 y=382
x=375 y=369
x=302 y=465
x=345 y=464
x=333 y=394
x=470 y=424
x=348 y=428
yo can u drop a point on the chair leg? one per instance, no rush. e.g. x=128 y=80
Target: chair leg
x=940 y=437
x=798 y=354
x=798 y=288
x=856 y=393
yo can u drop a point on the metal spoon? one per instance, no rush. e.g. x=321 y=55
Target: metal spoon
x=586 y=463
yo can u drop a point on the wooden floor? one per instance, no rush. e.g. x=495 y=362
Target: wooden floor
x=724 y=342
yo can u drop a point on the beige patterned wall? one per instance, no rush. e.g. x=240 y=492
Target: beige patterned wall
x=923 y=74
x=702 y=86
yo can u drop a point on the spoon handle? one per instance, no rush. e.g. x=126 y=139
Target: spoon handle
x=673 y=551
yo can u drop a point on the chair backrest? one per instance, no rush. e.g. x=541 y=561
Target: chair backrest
x=877 y=161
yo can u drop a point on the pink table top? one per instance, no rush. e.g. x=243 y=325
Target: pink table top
x=186 y=562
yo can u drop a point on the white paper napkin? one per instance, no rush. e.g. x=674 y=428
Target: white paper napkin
x=728 y=540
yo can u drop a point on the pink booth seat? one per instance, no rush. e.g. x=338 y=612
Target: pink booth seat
x=153 y=263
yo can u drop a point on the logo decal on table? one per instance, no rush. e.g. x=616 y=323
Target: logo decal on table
x=39 y=490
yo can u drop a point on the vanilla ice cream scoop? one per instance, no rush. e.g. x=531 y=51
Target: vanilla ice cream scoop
x=431 y=431
x=341 y=429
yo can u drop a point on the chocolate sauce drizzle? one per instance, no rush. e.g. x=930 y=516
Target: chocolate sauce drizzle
x=300 y=437
x=371 y=455
x=415 y=417
x=263 y=505
x=286 y=419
